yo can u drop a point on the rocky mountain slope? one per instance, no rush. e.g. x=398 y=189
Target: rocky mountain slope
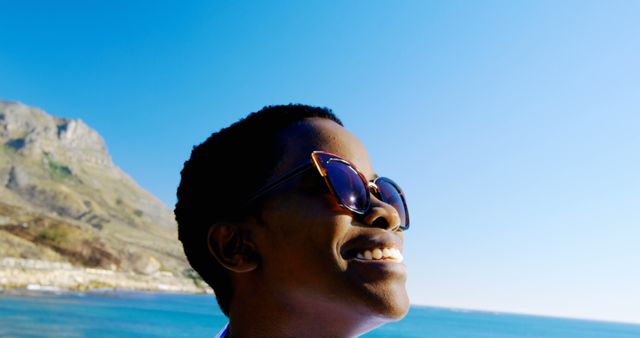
x=63 y=199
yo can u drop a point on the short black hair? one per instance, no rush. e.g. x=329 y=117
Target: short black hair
x=221 y=172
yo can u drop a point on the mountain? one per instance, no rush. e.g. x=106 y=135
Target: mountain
x=63 y=199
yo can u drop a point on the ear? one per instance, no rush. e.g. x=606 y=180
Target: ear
x=230 y=245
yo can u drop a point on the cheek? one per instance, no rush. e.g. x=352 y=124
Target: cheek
x=303 y=236
x=303 y=217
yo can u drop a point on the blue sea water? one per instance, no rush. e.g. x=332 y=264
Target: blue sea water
x=134 y=314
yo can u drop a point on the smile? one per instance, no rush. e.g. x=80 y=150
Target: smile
x=386 y=254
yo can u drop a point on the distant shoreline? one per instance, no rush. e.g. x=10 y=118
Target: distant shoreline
x=119 y=293
x=36 y=275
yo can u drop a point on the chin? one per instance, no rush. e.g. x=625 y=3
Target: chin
x=391 y=307
x=388 y=304
x=397 y=307
x=381 y=291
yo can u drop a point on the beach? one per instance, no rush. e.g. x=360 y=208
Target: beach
x=30 y=274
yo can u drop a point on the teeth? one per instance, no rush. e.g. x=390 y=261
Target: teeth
x=392 y=254
x=386 y=252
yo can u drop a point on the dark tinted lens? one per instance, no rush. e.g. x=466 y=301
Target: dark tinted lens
x=349 y=187
x=390 y=193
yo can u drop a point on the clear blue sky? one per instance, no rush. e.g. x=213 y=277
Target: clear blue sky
x=513 y=126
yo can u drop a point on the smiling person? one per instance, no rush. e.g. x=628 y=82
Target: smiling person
x=283 y=215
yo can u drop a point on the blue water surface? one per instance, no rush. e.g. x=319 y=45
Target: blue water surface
x=136 y=314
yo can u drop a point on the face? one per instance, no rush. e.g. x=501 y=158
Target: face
x=309 y=245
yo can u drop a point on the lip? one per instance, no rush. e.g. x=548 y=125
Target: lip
x=363 y=242
x=374 y=272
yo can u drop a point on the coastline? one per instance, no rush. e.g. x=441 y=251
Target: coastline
x=25 y=275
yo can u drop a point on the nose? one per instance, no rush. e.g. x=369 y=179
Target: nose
x=382 y=215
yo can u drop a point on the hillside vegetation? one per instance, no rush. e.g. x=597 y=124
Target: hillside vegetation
x=63 y=199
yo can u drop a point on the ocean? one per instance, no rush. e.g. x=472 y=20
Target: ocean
x=137 y=314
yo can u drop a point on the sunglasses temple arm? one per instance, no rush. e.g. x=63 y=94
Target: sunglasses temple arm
x=293 y=173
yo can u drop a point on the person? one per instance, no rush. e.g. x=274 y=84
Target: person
x=283 y=215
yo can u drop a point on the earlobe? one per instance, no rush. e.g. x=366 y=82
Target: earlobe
x=229 y=244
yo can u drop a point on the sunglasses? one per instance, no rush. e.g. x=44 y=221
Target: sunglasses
x=348 y=185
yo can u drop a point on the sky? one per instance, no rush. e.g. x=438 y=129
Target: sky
x=512 y=126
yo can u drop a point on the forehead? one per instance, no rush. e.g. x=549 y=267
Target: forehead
x=301 y=138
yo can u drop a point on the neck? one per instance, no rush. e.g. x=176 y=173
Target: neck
x=265 y=314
